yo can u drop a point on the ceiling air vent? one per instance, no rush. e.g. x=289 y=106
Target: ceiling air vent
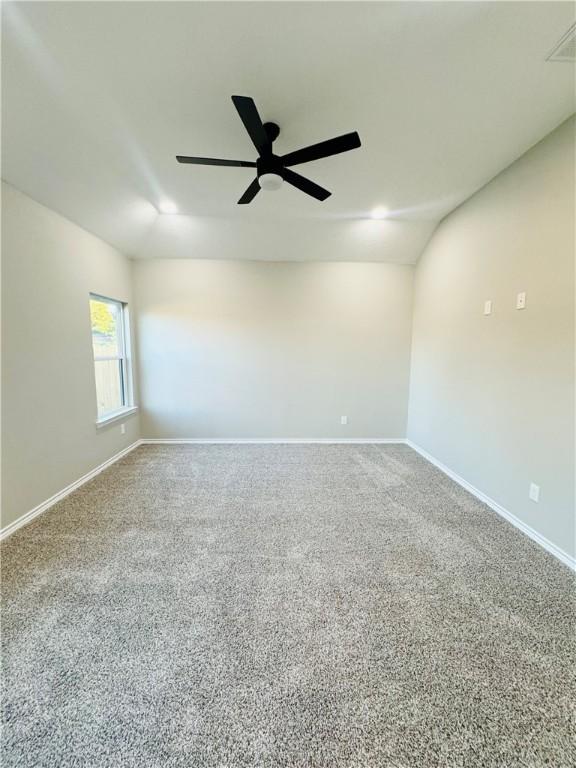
x=565 y=49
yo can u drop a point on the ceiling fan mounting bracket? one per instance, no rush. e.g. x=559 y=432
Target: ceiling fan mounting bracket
x=272 y=131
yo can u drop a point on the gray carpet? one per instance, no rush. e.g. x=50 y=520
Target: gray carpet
x=333 y=606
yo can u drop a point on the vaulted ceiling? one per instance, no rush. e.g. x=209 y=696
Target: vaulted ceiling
x=99 y=97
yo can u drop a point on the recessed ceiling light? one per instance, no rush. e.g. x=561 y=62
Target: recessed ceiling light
x=166 y=206
x=379 y=213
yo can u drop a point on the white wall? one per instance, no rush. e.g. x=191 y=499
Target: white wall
x=493 y=397
x=49 y=437
x=254 y=349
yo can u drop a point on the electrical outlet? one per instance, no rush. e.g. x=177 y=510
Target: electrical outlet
x=488 y=307
x=343 y=420
x=534 y=492
x=521 y=300
x=122 y=429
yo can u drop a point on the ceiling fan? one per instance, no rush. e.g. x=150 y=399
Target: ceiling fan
x=271 y=169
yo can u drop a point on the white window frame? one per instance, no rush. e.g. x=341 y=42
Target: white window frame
x=124 y=358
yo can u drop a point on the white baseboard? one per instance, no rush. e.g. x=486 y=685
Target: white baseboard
x=279 y=440
x=28 y=516
x=564 y=557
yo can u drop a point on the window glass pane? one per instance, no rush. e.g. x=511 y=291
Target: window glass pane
x=108 y=385
x=106 y=319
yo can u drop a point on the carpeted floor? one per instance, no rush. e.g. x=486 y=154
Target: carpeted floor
x=303 y=606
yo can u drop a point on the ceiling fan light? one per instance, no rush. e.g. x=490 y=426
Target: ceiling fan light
x=270 y=181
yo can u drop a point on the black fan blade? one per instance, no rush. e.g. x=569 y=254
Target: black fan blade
x=252 y=122
x=323 y=149
x=305 y=185
x=215 y=161
x=250 y=193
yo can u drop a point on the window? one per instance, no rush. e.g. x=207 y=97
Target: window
x=110 y=341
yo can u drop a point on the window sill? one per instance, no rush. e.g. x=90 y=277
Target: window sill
x=110 y=418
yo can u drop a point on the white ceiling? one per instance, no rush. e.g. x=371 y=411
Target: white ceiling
x=98 y=98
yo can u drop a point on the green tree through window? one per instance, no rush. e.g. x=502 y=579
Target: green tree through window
x=103 y=321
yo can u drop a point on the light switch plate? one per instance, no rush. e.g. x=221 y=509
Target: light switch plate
x=488 y=307
x=534 y=492
x=521 y=300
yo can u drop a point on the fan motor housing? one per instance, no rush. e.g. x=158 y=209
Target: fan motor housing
x=269 y=164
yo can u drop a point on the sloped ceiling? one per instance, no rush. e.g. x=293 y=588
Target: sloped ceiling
x=99 y=97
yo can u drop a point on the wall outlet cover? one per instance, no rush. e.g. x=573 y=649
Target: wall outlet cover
x=521 y=300
x=534 y=492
